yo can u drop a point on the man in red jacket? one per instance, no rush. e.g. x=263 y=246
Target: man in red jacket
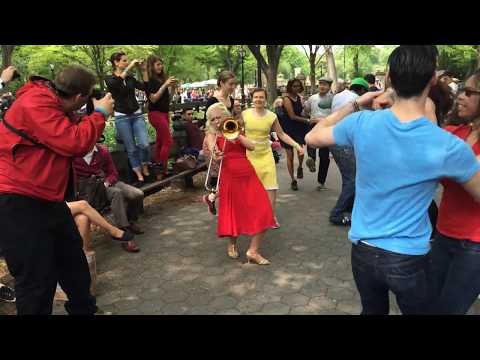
x=40 y=136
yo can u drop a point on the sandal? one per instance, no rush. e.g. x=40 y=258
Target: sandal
x=127 y=236
x=130 y=247
x=257 y=259
x=232 y=251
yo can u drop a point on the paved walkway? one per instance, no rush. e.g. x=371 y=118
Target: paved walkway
x=183 y=267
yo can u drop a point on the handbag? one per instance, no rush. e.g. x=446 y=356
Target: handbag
x=186 y=162
x=93 y=190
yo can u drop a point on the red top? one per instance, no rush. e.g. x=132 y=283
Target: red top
x=102 y=165
x=459 y=213
x=43 y=172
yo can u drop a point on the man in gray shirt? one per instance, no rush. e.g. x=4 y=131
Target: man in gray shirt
x=319 y=106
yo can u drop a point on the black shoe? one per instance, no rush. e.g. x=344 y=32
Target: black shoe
x=127 y=236
x=294 y=185
x=300 y=173
x=311 y=165
x=7 y=294
x=344 y=221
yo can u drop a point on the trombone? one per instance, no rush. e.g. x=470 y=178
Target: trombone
x=230 y=130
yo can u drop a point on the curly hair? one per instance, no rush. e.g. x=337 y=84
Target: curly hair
x=209 y=115
x=290 y=85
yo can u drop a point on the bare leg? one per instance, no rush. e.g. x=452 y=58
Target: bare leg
x=83 y=225
x=300 y=160
x=255 y=242
x=252 y=252
x=84 y=208
x=272 y=195
x=232 y=248
x=289 y=153
x=139 y=174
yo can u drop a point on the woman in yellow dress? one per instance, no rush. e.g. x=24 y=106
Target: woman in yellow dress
x=259 y=122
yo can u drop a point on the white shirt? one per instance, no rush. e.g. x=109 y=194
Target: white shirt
x=343 y=98
x=313 y=102
x=88 y=158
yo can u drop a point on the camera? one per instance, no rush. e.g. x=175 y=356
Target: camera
x=16 y=75
x=5 y=102
x=97 y=94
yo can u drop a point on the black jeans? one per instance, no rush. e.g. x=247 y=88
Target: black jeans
x=345 y=160
x=455 y=275
x=42 y=246
x=324 y=156
x=377 y=271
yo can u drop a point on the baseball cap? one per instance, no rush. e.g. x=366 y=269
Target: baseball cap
x=360 y=81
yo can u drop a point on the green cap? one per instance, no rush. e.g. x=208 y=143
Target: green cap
x=360 y=81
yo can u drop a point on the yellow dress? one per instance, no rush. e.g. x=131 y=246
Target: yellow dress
x=257 y=129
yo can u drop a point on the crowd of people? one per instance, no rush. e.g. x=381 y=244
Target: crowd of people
x=392 y=145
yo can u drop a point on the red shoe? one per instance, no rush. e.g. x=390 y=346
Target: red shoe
x=277 y=225
x=131 y=247
x=211 y=205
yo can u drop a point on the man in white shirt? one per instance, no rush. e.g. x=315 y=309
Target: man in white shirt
x=319 y=106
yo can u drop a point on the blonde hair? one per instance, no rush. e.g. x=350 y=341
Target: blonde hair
x=277 y=102
x=210 y=110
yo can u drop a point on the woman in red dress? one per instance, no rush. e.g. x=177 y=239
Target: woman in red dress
x=244 y=206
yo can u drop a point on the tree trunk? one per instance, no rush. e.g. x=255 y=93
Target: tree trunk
x=355 y=63
x=331 y=68
x=271 y=75
x=478 y=56
x=271 y=68
x=313 y=87
x=7 y=51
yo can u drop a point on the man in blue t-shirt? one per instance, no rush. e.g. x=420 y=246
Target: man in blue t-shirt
x=400 y=157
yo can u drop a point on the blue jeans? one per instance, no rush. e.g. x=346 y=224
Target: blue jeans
x=345 y=160
x=377 y=271
x=455 y=275
x=129 y=128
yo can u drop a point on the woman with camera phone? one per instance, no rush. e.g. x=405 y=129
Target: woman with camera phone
x=129 y=119
x=244 y=207
x=158 y=89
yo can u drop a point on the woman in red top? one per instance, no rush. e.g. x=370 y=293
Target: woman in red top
x=456 y=249
x=244 y=206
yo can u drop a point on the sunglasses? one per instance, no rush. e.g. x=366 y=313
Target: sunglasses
x=469 y=91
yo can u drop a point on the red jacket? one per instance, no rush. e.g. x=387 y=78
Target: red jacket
x=43 y=172
x=102 y=165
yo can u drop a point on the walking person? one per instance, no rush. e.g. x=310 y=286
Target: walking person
x=129 y=119
x=296 y=126
x=244 y=206
x=345 y=159
x=319 y=106
x=259 y=122
x=455 y=255
x=401 y=156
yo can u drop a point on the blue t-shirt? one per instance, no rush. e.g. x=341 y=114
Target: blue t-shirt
x=398 y=169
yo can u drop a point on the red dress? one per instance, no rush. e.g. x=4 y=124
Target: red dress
x=244 y=206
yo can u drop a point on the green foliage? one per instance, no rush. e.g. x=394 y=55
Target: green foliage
x=459 y=59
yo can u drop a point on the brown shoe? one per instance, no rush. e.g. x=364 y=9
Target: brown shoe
x=134 y=228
